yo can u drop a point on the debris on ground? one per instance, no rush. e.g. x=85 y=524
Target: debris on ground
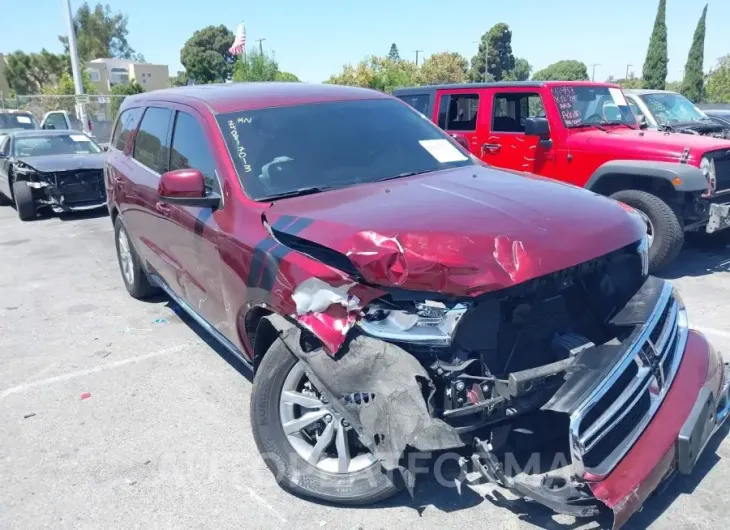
x=29 y=415
x=160 y=321
x=85 y=395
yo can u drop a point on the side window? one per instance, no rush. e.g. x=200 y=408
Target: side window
x=458 y=112
x=190 y=149
x=55 y=120
x=420 y=102
x=126 y=125
x=150 y=145
x=510 y=110
x=634 y=108
x=4 y=145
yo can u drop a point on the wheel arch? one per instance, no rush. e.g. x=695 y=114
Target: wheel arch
x=659 y=178
x=256 y=333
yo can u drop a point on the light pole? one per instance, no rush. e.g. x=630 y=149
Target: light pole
x=627 y=70
x=261 y=45
x=417 y=52
x=75 y=68
x=593 y=76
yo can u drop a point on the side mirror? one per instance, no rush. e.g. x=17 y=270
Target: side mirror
x=643 y=124
x=537 y=127
x=186 y=187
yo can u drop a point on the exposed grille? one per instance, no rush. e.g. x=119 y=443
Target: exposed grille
x=605 y=427
x=722 y=169
x=81 y=186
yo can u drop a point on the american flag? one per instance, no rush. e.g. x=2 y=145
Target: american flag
x=239 y=45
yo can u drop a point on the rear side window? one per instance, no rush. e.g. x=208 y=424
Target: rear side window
x=151 y=147
x=126 y=125
x=420 y=102
x=458 y=112
x=190 y=149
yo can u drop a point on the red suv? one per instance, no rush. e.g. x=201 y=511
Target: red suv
x=393 y=294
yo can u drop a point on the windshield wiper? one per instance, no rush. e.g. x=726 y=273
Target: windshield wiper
x=295 y=193
x=616 y=122
x=403 y=175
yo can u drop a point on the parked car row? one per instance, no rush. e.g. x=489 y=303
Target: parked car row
x=399 y=286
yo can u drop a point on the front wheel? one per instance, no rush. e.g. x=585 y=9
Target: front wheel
x=664 y=228
x=23 y=198
x=308 y=447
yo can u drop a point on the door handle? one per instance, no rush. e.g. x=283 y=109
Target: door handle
x=163 y=208
x=491 y=148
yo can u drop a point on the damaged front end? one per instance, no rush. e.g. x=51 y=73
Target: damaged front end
x=571 y=366
x=65 y=190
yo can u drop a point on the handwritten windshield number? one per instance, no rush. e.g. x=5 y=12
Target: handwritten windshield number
x=240 y=150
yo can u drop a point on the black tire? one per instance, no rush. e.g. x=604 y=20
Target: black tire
x=140 y=286
x=23 y=197
x=668 y=227
x=291 y=471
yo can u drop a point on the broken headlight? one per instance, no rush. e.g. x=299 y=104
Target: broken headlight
x=429 y=322
x=22 y=168
x=707 y=166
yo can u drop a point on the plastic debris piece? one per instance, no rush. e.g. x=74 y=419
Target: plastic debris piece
x=85 y=395
x=29 y=415
x=160 y=321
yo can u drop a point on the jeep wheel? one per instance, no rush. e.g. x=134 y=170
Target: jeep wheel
x=23 y=198
x=663 y=226
x=308 y=447
x=134 y=276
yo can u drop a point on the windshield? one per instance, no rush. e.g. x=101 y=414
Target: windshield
x=670 y=109
x=583 y=106
x=11 y=120
x=278 y=151
x=59 y=144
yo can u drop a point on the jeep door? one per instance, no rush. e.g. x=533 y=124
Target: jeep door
x=506 y=144
x=193 y=232
x=461 y=113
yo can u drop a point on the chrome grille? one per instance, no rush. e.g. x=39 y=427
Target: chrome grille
x=722 y=169
x=605 y=427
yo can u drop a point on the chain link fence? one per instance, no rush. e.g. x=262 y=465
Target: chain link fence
x=101 y=111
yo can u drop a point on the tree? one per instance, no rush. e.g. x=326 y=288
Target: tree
x=123 y=89
x=100 y=34
x=657 y=58
x=630 y=82
x=256 y=66
x=442 y=68
x=181 y=79
x=521 y=71
x=567 y=70
x=31 y=73
x=693 y=85
x=205 y=55
x=673 y=86
x=378 y=73
x=497 y=43
x=717 y=89
x=393 y=54
x=287 y=77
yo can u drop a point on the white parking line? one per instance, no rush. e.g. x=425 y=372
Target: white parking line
x=712 y=331
x=101 y=368
x=265 y=504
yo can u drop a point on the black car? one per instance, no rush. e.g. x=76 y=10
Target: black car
x=721 y=116
x=62 y=170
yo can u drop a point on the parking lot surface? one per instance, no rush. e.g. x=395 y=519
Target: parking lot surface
x=117 y=413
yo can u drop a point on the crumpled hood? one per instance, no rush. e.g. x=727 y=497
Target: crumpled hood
x=52 y=163
x=462 y=232
x=634 y=144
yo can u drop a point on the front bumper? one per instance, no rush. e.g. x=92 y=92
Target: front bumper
x=676 y=436
x=719 y=217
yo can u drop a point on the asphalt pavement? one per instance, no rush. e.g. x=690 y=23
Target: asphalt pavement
x=117 y=413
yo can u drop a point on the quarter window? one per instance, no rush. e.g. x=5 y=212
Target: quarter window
x=151 y=147
x=126 y=125
x=190 y=150
x=458 y=112
x=420 y=102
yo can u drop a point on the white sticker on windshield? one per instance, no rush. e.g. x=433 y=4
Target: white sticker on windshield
x=79 y=138
x=618 y=97
x=23 y=119
x=443 y=151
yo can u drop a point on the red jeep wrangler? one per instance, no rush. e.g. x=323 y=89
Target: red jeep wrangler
x=586 y=134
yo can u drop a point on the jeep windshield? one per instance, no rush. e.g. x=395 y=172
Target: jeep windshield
x=673 y=109
x=587 y=106
x=295 y=150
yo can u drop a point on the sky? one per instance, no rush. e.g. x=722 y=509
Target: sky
x=314 y=42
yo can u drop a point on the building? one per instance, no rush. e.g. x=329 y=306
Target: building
x=105 y=73
x=4 y=88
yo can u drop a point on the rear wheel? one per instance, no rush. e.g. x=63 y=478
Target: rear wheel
x=308 y=447
x=134 y=276
x=23 y=198
x=664 y=228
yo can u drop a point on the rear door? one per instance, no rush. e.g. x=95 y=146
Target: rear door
x=506 y=144
x=5 y=164
x=460 y=113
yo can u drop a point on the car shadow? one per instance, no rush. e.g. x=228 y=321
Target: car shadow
x=96 y=213
x=702 y=255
